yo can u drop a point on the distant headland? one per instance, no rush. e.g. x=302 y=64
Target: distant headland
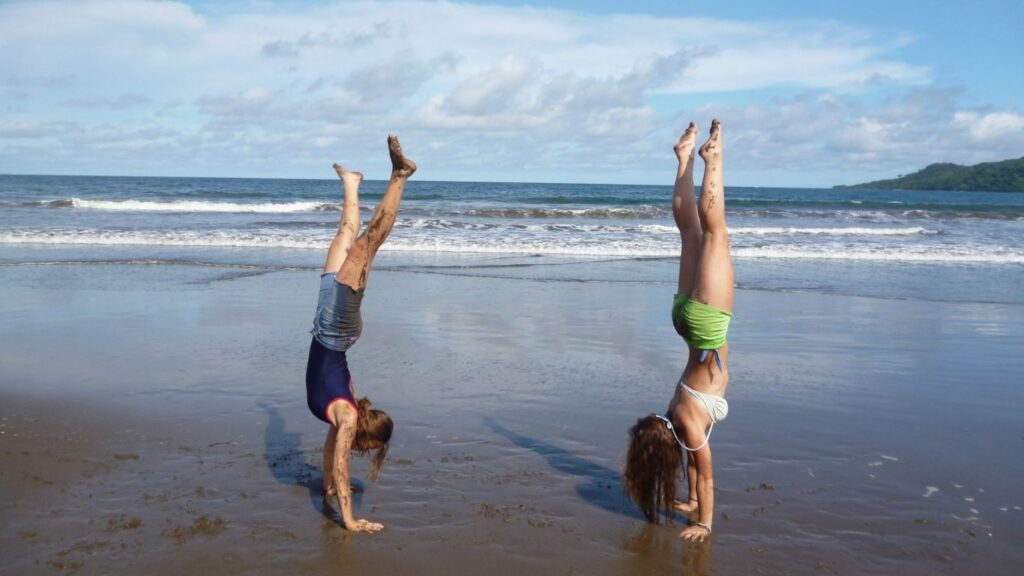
x=1005 y=176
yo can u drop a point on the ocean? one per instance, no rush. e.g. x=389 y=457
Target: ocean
x=514 y=332
x=946 y=246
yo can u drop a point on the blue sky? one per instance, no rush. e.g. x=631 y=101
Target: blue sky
x=810 y=93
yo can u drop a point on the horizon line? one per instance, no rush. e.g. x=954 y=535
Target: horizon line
x=696 y=183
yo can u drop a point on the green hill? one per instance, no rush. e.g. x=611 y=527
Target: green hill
x=1005 y=176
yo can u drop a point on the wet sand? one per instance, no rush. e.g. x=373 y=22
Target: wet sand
x=153 y=419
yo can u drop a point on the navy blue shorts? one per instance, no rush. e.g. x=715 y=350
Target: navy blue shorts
x=327 y=380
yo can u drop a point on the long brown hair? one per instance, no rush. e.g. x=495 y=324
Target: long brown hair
x=653 y=462
x=373 y=426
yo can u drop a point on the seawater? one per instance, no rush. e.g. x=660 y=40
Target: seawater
x=965 y=246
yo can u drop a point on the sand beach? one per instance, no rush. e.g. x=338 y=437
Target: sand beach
x=153 y=420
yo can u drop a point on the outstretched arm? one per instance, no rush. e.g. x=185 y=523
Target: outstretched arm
x=689 y=505
x=346 y=420
x=705 y=488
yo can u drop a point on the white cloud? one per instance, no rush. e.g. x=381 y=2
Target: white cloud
x=253 y=101
x=23 y=128
x=324 y=141
x=492 y=90
x=120 y=102
x=547 y=90
x=836 y=132
x=336 y=39
x=991 y=126
x=387 y=82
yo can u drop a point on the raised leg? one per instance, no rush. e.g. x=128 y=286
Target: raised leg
x=684 y=209
x=348 y=226
x=715 y=283
x=356 y=268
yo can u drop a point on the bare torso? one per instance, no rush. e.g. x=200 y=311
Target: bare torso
x=705 y=377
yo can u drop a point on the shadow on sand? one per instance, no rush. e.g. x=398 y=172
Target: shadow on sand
x=289 y=466
x=601 y=487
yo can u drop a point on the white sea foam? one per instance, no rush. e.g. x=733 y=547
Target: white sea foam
x=842 y=231
x=642 y=211
x=923 y=254
x=798 y=231
x=746 y=230
x=659 y=229
x=197 y=206
x=519 y=241
x=551 y=248
x=190 y=239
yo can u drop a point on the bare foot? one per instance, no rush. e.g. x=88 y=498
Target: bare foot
x=687 y=142
x=688 y=507
x=400 y=165
x=347 y=177
x=712 y=149
x=695 y=533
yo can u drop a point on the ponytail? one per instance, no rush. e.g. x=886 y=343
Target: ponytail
x=373 y=426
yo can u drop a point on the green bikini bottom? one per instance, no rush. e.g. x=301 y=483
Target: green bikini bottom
x=704 y=327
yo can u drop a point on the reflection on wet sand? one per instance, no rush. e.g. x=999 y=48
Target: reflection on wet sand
x=190 y=449
x=653 y=541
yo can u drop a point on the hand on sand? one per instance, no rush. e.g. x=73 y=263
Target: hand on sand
x=363 y=525
x=695 y=533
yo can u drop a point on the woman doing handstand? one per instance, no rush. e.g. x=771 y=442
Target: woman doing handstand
x=337 y=325
x=701 y=313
